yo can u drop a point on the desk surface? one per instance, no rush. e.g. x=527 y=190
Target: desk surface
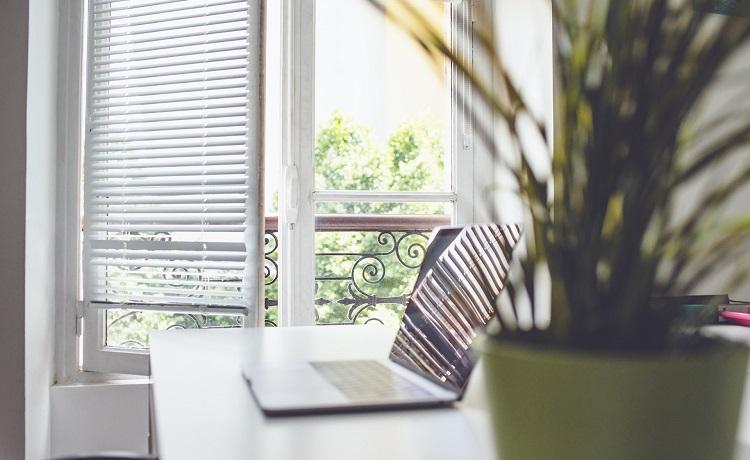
x=204 y=409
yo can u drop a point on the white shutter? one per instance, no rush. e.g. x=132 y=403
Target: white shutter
x=171 y=181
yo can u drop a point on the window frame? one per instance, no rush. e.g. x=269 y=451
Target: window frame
x=70 y=135
x=81 y=355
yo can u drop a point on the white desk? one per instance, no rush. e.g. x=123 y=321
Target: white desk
x=204 y=409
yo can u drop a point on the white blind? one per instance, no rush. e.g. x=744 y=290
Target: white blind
x=170 y=170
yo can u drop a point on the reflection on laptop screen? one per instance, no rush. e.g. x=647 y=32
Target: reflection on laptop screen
x=462 y=275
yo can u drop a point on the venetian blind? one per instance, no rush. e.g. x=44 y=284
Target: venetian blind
x=171 y=161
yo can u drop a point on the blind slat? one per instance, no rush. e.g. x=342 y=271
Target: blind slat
x=170 y=209
x=166 y=169
x=217 y=9
x=147 y=244
x=129 y=165
x=230 y=26
x=169 y=255
x=216 y=141
x=231 y=44
x=176 y=172
x=159 y=282
x=161 y=82
x=200 y=70
x=170 y=218
x=157 y=8
x=127 y=4
x=154 y=290
x=173 y=228
x=125 y=48
x=186 y=97
x=224 y=179
x=171 y=274
x=159 y=32
x=146 y=65
x=164 y=154
x=112 y=5
x=203 y=115
x=182 y=264
x=158 y=113
x=174 y=199
x=163 y=301
x=107 y=191
x=215 y=84
x=234 y=129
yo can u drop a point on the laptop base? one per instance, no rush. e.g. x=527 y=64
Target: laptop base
x=304 y=388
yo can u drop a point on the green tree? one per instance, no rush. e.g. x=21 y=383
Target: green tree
x=346 y=158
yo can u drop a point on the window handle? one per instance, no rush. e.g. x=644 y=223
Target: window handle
x=291 y=178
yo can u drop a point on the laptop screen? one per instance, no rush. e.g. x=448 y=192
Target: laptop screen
x=462 y=275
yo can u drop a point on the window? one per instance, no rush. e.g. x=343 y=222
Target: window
x=380 y=151
x=362 y=157
x=170 y=172
x=381 y=136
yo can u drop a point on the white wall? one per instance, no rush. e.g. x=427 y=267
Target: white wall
x=90 y=418
x=41 y=119
x=13 y=48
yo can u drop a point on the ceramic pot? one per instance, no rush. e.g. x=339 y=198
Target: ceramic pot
x=552 y=404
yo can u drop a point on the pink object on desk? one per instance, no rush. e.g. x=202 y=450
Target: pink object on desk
x=734 y=317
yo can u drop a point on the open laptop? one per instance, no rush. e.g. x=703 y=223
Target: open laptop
x=462 y=274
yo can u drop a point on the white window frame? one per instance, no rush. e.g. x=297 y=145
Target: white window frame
x=298 y=196
x=70 y=135
x=71 y=318
x=82 y=354
x=469 y=177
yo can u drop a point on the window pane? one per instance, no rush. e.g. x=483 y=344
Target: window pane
x=382 y=109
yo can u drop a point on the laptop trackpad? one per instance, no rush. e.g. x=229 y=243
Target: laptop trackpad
x=292 y=385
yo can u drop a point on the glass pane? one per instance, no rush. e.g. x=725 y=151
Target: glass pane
x=382 y=108
x=130 y=328
x=366 y=264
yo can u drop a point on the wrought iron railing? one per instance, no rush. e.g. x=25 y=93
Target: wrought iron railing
x=370 y=280
x=366 y=265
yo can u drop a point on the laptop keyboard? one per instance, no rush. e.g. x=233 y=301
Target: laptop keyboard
x=368 y=381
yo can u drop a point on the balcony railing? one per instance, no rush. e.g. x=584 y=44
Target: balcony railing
x=361 y=282
x=365 y=268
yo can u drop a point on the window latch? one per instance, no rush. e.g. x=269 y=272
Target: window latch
x=80 y=306
x=291 y=207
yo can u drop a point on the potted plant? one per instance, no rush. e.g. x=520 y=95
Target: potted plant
x=585 y=365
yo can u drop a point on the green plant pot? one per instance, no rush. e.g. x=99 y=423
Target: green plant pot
x=554 y=404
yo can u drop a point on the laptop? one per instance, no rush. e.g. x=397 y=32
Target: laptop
x=461 y=277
